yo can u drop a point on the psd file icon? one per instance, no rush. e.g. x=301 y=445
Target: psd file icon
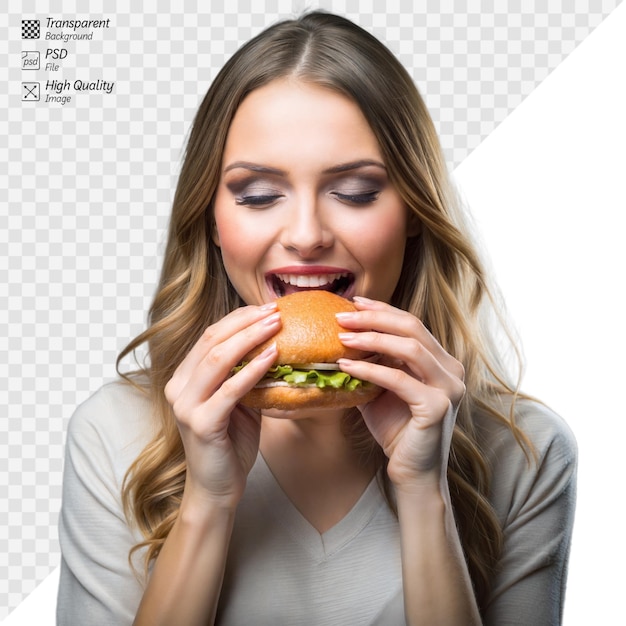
x=31 y=60
x=30 y=92
x=30 y=29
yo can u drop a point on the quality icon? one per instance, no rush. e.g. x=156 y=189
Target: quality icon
x=30 y=92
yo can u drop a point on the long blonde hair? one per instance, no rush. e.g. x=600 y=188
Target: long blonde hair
x=442 y=282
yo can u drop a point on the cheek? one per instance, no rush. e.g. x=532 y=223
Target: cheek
x=381 y=240
x=239 y=254
x=378 y=245
x=236 y=237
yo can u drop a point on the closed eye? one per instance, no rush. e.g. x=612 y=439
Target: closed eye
x=257 y=200
x=357 y=198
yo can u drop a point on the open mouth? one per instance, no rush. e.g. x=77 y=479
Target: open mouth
x=284 y=284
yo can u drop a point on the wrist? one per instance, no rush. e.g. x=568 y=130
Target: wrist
x=417 y=483
x=201 y=508
x=423 y=496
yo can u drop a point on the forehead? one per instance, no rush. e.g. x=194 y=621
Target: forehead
x=290 y=118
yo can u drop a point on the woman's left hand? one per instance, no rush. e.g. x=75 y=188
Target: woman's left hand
x=413 y=418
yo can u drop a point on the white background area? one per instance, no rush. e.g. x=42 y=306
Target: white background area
x=547 y=192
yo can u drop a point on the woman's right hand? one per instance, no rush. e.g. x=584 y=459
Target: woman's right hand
x=221 y=437
x=221 y=441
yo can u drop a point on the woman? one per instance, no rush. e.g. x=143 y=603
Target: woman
x=447 y=500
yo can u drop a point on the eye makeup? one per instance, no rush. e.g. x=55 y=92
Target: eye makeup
x=259 y=186
x=250 y=190
x=357 y=188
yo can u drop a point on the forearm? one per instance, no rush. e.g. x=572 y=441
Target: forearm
x=186 y=580
x=437 y=585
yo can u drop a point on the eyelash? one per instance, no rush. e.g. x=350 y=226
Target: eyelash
x=259 y=201
x=256 y=201
x=357 y=198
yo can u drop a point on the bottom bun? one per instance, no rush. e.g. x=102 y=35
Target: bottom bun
x=293 y=398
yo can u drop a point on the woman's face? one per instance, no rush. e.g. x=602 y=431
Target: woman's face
x=304 y=199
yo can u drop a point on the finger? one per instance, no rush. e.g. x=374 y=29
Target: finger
x=380 y=316
x=420 y=362
x=235 y=387
x=220 y=404
x=429 y=403
x=384 y=318
x=234 y=322
x=216 y=365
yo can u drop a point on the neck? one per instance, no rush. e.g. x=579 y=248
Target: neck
x=316 y=465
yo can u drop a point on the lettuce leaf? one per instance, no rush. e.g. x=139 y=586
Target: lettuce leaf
x=321 y=378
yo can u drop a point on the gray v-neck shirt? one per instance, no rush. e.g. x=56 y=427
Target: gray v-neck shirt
x=280 y=569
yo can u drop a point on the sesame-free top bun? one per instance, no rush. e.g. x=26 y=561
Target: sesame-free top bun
x=309 y=334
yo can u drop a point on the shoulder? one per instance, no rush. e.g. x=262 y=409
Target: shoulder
x=525 y=474
x=105 y=435
x=115 y=423
x=118 y=407
x=543 y=428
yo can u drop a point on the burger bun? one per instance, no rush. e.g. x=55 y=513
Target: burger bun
x=309 y=334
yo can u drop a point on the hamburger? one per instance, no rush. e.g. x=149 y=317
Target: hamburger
x=305 y=373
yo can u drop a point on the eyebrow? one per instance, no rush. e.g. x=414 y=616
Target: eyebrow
x=354 y=165
x=253 y=167
x=336 y=169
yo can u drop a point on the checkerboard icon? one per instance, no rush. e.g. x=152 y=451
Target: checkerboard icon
x=30 y=29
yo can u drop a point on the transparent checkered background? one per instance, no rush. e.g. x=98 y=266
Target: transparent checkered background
x=85 y=189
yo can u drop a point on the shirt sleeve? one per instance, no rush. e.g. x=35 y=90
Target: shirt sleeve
x=535 y=499
x=97 y=584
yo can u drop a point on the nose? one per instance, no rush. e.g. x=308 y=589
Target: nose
x=306 y=231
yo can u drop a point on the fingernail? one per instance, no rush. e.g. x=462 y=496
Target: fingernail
x=269 y=351
x=362 y=299
x=271 y=319
x=269 y=306
x=344 y=315
x=347 y=336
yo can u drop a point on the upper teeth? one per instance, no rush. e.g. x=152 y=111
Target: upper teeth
x=309 y=280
